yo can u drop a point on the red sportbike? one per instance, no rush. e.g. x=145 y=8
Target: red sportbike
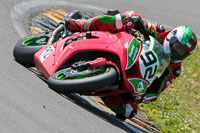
x=93 y=63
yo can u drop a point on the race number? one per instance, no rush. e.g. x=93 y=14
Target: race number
x=150 y=62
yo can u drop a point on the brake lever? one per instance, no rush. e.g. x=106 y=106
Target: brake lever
x=66 y=33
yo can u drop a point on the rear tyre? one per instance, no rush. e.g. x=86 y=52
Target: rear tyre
x=26 y=48
x=73 y=81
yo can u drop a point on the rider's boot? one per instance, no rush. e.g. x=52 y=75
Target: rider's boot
x=74 y=15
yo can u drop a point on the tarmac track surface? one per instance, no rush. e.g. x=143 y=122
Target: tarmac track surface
x=28 y=105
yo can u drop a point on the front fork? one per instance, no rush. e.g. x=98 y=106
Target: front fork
x=96 y=63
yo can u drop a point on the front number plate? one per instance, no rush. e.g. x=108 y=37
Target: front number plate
x=46 y=53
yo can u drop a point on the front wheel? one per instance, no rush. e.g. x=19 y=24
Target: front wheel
x=26 y=48
x=73 y=81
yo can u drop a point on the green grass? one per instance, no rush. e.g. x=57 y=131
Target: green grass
x=177 y=109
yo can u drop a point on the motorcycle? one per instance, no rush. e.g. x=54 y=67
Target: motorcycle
x=95 y=63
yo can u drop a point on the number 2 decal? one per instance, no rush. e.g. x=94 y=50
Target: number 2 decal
x=148 y=63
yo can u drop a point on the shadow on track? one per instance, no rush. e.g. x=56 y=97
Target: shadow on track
x=87 y=105
x=75 y=98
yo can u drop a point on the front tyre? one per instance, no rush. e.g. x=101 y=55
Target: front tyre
x=26 y=48
x=74 y=81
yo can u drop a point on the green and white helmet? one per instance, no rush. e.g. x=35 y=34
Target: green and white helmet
x=180 y=43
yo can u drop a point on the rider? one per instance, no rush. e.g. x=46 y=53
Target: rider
x=178 y=44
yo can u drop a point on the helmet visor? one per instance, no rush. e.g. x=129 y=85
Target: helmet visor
x=177 y=50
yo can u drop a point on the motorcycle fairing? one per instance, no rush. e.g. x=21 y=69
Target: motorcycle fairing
x=132 y=54
x=101 y=41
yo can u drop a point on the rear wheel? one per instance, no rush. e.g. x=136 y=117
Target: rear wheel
x=74 y=81
x=26 y=48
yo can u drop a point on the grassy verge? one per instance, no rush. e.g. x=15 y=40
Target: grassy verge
x=178 y=107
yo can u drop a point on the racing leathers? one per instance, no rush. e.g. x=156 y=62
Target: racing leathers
x=124 y=104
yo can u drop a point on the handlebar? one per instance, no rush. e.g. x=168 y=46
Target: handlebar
x=61 y=27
